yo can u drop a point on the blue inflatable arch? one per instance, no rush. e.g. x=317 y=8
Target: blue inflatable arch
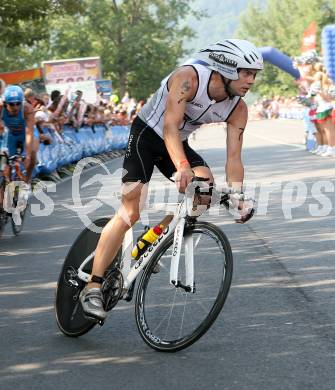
x=328 y=49
x=279 y=59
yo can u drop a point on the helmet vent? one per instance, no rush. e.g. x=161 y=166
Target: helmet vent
x=247 y=59
x=255 y=54
x=233 y=44
x=221 y=44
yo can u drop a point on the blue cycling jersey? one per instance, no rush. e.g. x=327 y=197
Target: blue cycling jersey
x=15 y=124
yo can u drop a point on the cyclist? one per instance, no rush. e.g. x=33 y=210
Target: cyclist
x=206 y=89
x=18 y=117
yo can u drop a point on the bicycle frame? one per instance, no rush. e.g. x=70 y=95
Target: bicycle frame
x=130 y=273
x=177 y=225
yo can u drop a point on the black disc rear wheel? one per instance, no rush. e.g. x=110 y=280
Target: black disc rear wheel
x=69 y=314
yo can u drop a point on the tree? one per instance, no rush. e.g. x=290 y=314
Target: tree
x=24 y=23
x=281 y=25
x=139 y=41
x=142 y=40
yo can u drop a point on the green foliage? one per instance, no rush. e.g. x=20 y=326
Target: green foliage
x=24 y=23
x=139 y=41
x=281 y=25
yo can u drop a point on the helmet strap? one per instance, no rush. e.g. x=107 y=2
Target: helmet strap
x=228 y=90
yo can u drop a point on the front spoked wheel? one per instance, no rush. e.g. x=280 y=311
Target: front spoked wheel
x=69 y=314
x=169 y=318
x=3 y=213
x=17 y=220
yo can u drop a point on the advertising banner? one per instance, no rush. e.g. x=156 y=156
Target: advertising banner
x=72 y=70
x=104 y=86
x=21 y=76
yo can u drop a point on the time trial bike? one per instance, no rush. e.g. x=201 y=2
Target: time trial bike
x=175 y=306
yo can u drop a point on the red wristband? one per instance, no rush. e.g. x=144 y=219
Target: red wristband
x=183 y=162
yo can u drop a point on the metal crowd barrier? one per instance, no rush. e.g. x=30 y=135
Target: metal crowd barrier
x=74 y=144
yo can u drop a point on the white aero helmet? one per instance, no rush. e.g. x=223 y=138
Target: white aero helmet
x=228 y=56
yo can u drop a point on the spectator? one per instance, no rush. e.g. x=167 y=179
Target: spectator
x=274 y=107
x=2 y=88
x=123 y=118
x=55 y=96
x=46 y=99
x=31 y=97
x=125 y=98
x=41 y=119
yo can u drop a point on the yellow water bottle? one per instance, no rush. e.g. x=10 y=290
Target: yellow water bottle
x=146 y=240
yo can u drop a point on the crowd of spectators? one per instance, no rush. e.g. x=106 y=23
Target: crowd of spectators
x=57 y=113
x=314 y=104
x=56 y=110
x=274 y=107
x=317 y=95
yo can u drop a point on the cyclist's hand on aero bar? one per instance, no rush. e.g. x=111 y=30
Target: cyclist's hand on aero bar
x=183 y=178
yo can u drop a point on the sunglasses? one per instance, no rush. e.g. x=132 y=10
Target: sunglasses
x=14 y=104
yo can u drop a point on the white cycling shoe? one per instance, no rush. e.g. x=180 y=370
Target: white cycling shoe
x=92 y=303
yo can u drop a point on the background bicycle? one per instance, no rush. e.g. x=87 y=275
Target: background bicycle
x=13 y=189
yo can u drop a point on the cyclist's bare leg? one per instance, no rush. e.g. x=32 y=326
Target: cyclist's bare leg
x=206 y=173
x=133 y=199
x=29 y=165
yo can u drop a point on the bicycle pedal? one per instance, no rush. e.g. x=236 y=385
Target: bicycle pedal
x=94 y=319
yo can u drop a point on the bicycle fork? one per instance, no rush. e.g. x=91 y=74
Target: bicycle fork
x=189 y=285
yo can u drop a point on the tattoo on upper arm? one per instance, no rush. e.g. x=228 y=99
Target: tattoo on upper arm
x=241 y=133
x=184 y=88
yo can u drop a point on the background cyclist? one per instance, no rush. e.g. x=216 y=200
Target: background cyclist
x=18 y=116
x=206 y=89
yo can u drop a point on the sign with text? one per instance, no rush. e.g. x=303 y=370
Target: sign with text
x=104 y=86
x=72 y=70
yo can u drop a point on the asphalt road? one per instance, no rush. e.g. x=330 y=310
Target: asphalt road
x=276 y=330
